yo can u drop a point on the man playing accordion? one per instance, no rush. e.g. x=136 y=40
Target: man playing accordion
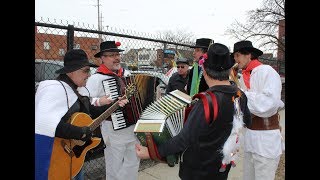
x=210 y=123
x=117 y=130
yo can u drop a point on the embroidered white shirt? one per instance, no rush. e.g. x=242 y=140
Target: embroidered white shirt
x=264 y=100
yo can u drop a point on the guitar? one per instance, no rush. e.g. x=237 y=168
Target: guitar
x=68 y=155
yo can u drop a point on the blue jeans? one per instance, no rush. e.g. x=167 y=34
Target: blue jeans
x=80 y=175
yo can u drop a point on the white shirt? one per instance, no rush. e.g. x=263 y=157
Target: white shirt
x=264 y=100
x=96 y=90
x=51 y=104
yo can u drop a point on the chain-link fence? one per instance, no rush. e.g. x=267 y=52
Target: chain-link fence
x=279 y=66
x=141 y=52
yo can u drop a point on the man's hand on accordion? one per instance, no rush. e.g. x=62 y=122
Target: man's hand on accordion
x=122 y=102
x=105 y=100
x=142 y=152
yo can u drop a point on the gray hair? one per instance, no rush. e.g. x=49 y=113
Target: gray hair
x=218 y=75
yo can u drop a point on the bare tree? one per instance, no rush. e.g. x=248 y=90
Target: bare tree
x=262 y=26
x=179 y=36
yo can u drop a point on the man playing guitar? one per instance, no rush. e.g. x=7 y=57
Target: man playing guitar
x=56 y=101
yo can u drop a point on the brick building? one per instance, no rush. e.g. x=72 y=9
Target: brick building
x=54 y=46
x=281 y=36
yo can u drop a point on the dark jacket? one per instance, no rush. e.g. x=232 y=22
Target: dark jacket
x=176 y=81
x=200 y=142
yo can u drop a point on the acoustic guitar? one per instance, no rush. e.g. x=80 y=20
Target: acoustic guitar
x=68 y=155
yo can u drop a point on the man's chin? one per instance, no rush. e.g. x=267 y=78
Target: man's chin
x=116 y=67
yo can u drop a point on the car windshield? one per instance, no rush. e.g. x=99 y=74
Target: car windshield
x=37 y=74
x=50 y=70
x=45 y=69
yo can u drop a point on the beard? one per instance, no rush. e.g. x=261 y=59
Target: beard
x=116 y=67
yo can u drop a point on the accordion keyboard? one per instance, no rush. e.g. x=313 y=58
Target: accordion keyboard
x=110 y=87
x=117 y=117
x=118 y=120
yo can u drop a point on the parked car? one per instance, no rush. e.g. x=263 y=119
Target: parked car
x=45 y=70
x=146 y=68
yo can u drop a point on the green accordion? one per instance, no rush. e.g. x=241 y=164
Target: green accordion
x=160 y=121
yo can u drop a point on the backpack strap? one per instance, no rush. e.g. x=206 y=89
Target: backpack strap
x=210 y=105
x=215 y=104
x=203 y=96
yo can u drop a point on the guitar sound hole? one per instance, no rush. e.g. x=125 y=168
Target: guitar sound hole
x=77 y=150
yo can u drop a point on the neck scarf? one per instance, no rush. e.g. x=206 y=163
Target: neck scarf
x=247 y=71
x=104 y=70
x=195 y=80
x=119 y=74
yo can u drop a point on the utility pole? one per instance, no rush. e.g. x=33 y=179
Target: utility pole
x=99 y=22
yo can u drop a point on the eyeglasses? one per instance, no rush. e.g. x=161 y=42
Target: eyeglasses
x=111 y=55
x=85 y=70
x=180 y=66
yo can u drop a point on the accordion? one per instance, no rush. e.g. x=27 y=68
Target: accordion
x=162 y=120
x=144 y=95
x=127 y=115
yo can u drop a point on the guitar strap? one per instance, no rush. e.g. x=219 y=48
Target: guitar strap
x=84 y=104
x=66 y=94
x=68 y=122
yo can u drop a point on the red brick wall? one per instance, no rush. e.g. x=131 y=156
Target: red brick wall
x=60 y=42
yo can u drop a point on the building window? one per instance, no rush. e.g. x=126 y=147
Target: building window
x=46 y=45
x=94 y=47
x=76 y=46
x=61 y=52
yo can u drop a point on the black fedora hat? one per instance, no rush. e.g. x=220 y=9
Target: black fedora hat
x=73 y=60
x=108 y=46
x=218 y=58
x=246 y=45
x=203 y=43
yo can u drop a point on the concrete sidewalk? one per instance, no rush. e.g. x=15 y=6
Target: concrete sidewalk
x=162 y=171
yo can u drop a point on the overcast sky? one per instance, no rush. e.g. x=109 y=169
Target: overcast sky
x=203 y=18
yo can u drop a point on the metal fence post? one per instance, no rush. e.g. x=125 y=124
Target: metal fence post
x=70 y=37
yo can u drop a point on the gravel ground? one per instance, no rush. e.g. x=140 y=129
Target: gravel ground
x=146 y=163
x=281 y=168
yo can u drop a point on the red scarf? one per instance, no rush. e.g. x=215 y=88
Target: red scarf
x=104 y=70
x=246 y=72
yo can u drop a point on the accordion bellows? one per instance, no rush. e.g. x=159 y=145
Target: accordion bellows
x=166 y=111
x=162 y=120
